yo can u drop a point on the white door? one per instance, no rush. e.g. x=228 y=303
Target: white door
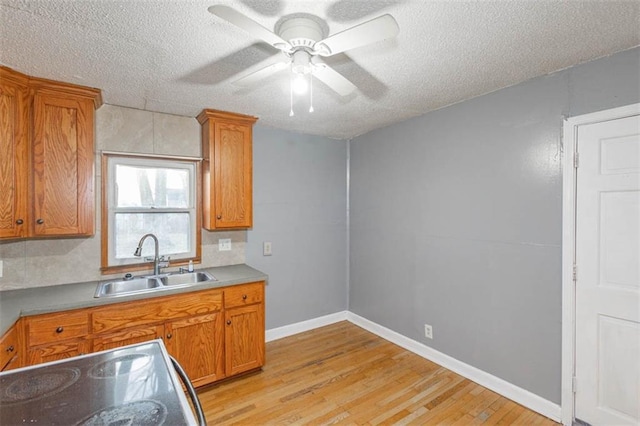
x=608 y=273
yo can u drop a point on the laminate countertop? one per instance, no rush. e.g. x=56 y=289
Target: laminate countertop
x=40 y=300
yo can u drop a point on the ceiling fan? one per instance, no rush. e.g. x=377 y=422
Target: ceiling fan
x=302 y=41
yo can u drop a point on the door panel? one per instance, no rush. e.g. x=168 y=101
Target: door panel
x=244 y=339
x=63 y=166
x=608 y=273
x=196 y=342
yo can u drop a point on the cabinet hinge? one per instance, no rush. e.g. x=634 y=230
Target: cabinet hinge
x=575 y=272
x=576 y=159
x=573 y=384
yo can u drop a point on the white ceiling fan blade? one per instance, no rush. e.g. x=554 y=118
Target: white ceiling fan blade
x=377 y=29
x=332 y=78
x=262 y=73
x=249 y=25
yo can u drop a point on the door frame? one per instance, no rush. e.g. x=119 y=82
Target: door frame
x=569 y=180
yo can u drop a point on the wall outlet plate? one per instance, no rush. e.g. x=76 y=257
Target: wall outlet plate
x=224 y=244
x=266 y=248
x=428 y=331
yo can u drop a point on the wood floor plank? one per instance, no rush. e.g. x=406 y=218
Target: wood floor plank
x=342 y=374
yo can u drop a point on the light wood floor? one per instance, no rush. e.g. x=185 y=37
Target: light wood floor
x=342 y=374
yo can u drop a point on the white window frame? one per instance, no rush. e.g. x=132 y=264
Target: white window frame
x=110 y=162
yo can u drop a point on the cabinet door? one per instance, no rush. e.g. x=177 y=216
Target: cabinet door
x=197 y=344
x=233 y=166
x=127 y=337
x=13 y=363
x=63 y=161
x=9 y=348
x=58 y=351
x=14 y=165
x=244 y=338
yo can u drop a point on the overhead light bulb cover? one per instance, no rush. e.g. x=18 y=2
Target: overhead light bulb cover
x=299 y=84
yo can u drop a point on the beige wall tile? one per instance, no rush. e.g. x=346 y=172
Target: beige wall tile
x=211 y=256
x=124 y=129
x=175 y=135
x=61 y=261
x=13 y=255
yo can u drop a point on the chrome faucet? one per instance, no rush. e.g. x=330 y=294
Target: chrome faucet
x=158 y=262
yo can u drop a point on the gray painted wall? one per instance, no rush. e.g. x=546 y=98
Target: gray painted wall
x=299 y=204
x=456 y=221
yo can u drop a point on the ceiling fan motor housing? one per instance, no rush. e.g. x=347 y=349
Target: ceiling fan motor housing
x=301 y=32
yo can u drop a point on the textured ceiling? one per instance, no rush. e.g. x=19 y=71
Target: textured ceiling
x=173 y=56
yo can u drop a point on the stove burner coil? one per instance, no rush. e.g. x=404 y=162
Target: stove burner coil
x=125 y=364
x=142 y=413
x=37 y=385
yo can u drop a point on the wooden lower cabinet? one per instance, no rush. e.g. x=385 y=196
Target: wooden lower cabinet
x=197 y=344
x=244 y=339
x=58 y=351
x=213 y=333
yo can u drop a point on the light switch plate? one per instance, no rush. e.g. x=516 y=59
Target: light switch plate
x=224 y=244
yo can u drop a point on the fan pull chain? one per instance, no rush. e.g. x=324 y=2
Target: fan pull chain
x=311 y=90
x=291 y=92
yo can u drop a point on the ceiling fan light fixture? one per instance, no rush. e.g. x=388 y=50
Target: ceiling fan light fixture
x=299 y=84
x=302 y=38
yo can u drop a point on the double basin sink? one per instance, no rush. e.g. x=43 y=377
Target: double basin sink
x=152 y=283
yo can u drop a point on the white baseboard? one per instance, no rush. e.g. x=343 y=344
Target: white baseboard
x=489 y=381
x=299 y=327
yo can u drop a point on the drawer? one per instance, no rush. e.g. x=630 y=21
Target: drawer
x=8 y=347
x=50 y=328
x=157 y=310
x=241 y=295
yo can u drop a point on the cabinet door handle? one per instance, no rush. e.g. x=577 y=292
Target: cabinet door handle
x=19 y=222
x=169 y=336
x=10 y=348
x=219 y=217
x=228 y=322
x=40 y=221
x=244 y=297
x=59 y=330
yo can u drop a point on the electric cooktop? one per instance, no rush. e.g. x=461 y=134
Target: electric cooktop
x=133 y=385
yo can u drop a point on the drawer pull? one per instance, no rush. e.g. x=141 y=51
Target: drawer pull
x=59 y=330
x=219 y=217
x=169 y=336
x=40 y=221
x=19 y=221
x=10 y=348
x=228 y=322
x=244 y=297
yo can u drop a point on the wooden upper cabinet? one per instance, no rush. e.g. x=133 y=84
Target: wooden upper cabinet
x=47 y=157
x=14 y=160
x=63 y=162
x=227 y=169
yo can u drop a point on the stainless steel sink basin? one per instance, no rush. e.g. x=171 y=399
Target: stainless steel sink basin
x=124 y=287
x=148 y=284
x=186 y=278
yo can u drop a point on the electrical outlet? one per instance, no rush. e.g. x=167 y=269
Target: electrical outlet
x=266 y=248
x=224 y=244
x=428 y=331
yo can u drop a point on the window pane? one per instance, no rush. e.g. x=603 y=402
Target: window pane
x=172 y=229
x=138 y=186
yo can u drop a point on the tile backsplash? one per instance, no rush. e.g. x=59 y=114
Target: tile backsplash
x=45 y=262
